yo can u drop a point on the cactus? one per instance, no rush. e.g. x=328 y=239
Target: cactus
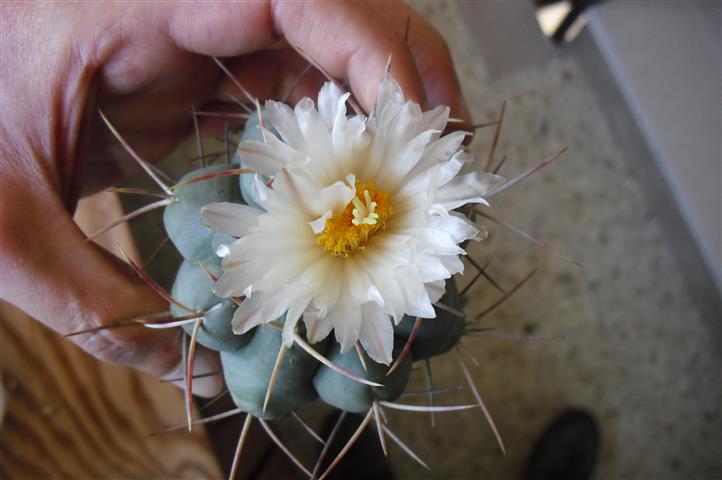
x=182 y=218
x=351 y=396
x=193 y=288
x=248 y=371
x=248 y=360
x=267 y=377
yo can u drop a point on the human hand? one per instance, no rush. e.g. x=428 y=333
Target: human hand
x=144 y=65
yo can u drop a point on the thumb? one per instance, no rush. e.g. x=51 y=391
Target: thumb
x=50 y=271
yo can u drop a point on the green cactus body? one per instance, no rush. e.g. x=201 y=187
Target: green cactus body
x=435 y=336
x=193 y=288
x=352 y=396
x=182 y=218
x=248 y=370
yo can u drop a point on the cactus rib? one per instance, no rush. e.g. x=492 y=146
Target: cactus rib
x=310 y=350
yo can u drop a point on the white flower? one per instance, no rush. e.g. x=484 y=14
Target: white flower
x=357 y=226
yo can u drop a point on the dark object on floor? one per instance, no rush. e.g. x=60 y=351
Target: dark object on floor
x=365 y=460
x=566 y=450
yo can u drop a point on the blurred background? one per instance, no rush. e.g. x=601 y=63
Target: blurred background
x=633 y=89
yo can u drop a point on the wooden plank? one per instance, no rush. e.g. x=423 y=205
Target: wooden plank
x=71 y=416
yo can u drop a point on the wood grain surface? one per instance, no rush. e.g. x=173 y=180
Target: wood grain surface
x=68 y=415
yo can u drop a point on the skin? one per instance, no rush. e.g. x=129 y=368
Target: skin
x=143 y=65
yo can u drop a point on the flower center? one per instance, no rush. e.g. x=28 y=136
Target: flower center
x=351 y=230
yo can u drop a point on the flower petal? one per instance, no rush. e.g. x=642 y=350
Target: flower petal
x=235 y=280
x=469 y=188
x=431 y=268
x=377 y=333
x=269 y=156
x=232 y=219
x=448 y=170
x=295 y=310
x=335 y=197
x=346 y=319
x=436 y=290
x=256 y=310
x=436 y=119
x=417 y=299
x=389 y=94
x=452 y=263
x=320 y=223
x=456 y=225
x=331 y=103
x=318 y=325
x=297 y=191
x=312 y=126
x=439 y=151
x=283 y=119
x=407 y=159
x=328 y=290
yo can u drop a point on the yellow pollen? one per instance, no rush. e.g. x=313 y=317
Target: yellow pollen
x=351 y=229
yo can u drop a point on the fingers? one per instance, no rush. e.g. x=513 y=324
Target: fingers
x=347 y=39
x=273 y=73
x=431 y=54
x=52 y=273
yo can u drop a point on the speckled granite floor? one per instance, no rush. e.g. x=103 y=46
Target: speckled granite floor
x=635 y=350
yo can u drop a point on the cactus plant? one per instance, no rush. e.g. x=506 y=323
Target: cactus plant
x=336 y=222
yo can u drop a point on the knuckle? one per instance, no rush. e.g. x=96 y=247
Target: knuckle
x=127 y=346
x=106 y=347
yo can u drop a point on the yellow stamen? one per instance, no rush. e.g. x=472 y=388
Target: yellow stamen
x=351 y=229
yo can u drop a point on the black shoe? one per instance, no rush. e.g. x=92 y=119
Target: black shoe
x=566 y=450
